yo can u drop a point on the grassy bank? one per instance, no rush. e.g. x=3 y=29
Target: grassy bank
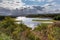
x=9 y=30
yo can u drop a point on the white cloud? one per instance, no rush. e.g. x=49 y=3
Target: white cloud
x=41 y=0
x=36 y=0
x=16 y=3
x=51 y=7
x=50 y=0
x=11 y=3
x=32 y=0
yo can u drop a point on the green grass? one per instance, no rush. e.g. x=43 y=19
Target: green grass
x=44 y=20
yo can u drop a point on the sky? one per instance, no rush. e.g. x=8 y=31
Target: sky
x=48 y=4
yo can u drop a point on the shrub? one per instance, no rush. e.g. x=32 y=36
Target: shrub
x=4 y=37
x=57 y=17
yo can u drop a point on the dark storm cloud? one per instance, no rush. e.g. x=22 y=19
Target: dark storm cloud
x=0 y=1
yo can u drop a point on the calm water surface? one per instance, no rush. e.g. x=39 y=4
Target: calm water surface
x=29 y=22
